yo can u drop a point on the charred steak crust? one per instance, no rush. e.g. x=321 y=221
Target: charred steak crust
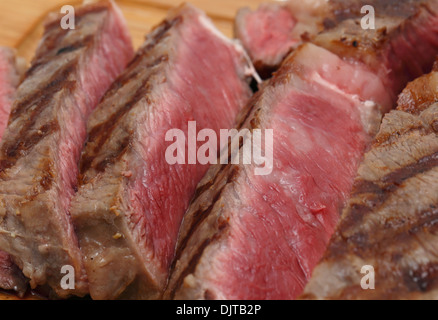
x=42 y=143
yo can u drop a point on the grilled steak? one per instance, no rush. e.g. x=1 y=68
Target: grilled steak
x=274 y=30
x=270 y=231
x=11 y=277
x=391 y=220
x=131 y=201
x=41 y=146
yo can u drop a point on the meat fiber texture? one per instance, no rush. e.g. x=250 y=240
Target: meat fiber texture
x=390 y=222
x=269 y=232
x=131 y=200
x=41 y=146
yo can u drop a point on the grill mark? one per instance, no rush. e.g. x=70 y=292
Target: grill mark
x=200 y=216
x=131 y=73
x=375 y=195
x=43 y=96
x=15 y=148
x=21 y=147
x=195 y=260
x=423 y=165
x=102 y=132
x=395 y=231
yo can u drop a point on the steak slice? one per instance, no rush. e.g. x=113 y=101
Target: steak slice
x=401 y=48
x=41 y=146
x=391 y=220
x=11 y=277
x=272 y=31
x=269 y=231
x=131 y=201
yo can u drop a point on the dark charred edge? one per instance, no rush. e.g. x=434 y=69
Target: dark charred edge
x=191 y=267
x=199 y=216
x=266 y=71
x=28 y=136
x=101 y=133
x=160 y=32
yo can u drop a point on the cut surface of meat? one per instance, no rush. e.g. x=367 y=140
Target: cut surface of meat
x=272 y=31
x=390 y=222
x=131 y=200
x=41 y=146
x=269 y=231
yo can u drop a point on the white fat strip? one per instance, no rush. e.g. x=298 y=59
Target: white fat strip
x=370 y=113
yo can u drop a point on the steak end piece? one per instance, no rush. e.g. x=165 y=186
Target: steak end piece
x=11 y=278
x=272 y=31
x=390 y=223
x=41 y=146
x=131 y=200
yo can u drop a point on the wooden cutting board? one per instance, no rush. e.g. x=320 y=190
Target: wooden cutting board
x=21 y=22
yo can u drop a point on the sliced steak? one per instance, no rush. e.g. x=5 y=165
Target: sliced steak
x=131 y=201
x=391 y=220
x=269 y=231
x=41 y=146
x=11 y=277
x=272 y=31
x=401 y=48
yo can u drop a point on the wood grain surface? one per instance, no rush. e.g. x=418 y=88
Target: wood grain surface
x=21 y=23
